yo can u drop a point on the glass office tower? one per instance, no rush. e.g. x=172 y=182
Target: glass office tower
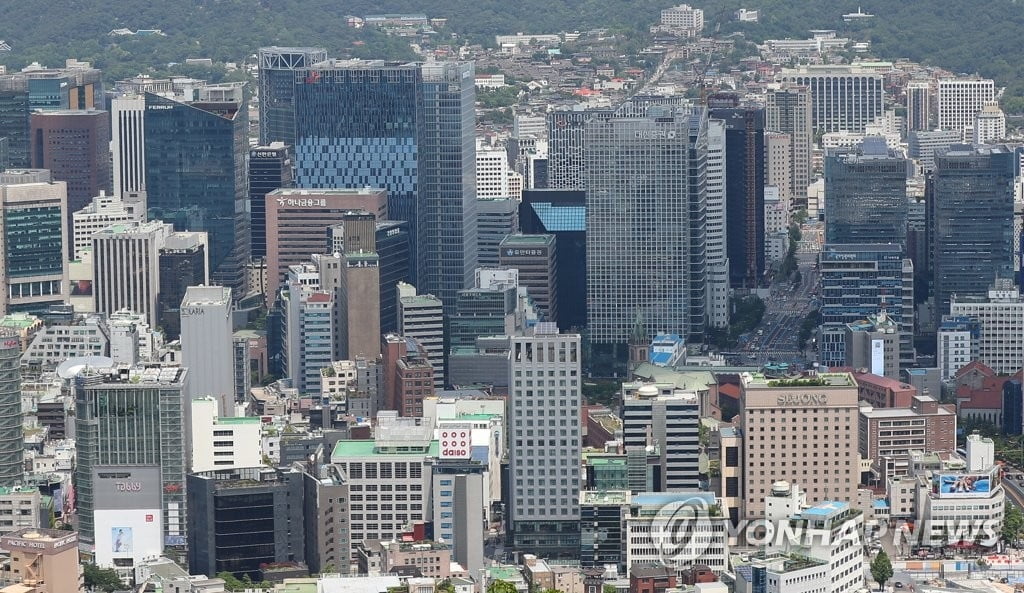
x=866 y=195
x=277 y=66
x=196 y=178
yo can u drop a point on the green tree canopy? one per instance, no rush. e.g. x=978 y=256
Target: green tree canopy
x=500 y=586
x=881 y=569
x=102 y=579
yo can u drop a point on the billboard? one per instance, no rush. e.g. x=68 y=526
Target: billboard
x=963 y=485
x=132 y=534
x=125 y=487
x=878 y=357
x=456 y=440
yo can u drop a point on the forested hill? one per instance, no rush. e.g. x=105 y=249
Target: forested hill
x=963 y=35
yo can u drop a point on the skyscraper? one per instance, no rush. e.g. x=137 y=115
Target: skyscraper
x=843 y=97
x=277 y=67
x=544 y=443
x=270 y=168
x=184 y=262
x=408 y=128
x=195 y=177
x=716 y=252
x=128 y=145
x=645 y=178
x=75 y=146
x=75 y=87
x=970 y=220
x=866 y=195
x=131 y=420
x=206 y=344
x=12 y=445
x=744 y=193
x=309 y=329
x=788 y=110
x=34 y=243
x=919 y=106
x=421 y=316
x=672 y=417
x=563 y=213
x=960 y=99
x=126 y=267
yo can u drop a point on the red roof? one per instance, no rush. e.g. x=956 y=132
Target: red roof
x=729 y=390
x=976 y=365
x=319 y=297
x=989 y=396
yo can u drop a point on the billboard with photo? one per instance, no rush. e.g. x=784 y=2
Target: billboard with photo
x=129 y=534
x=963 y=485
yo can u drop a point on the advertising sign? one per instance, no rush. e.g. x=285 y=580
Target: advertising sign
x=878 y=357
x=126 y=487
x=962 y=485
x=456 y=440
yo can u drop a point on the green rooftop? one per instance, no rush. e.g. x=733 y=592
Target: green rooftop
x=475 y=416
x=368 y=447
x=505 y=573
x=19 y=320
x=527 y=239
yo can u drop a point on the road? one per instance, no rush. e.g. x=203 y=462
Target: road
x=775 y=339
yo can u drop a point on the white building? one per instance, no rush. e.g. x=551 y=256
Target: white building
x=530 y=125
x=843 y=97
x=783 y=574
x=960 y=100
x=309 y=328
x=683 y=17
x=52 y=344
x=223 y=442
x=715 y=229
x=776 y=225
x=132 y=339
x=391 y=473
x=831 y=532
x=422 y=317
x=491 y=173
x=127 y=132
x=672 y=417
x=102 y=212
x=206 y=344
x=544 y=444
x=126 y=267
x=989 y=124
x=957 y=345
x=653 y=518
x=1001 y=316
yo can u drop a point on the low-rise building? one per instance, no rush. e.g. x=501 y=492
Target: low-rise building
x=888 y=435
x=652 y=513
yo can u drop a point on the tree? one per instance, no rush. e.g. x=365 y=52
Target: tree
x=231 y=582
x=1013 y=522
x=445 y=586
x=103 y=579
x=881 y=569
x=500 y=586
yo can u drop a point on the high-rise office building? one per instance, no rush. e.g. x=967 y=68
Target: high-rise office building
x=646 y=222
x=789 y=110
x=563 y=213
x=126 y=267
x=498 y=218
x=544 y=442
x=75 y=146
x=744 y=194
x=298 y=220
x=536 y=259
x=277 y=67
x=131 y=420
x=922 y=146
x=970 y=219
x=866 y=195
x=826 y=461
x=206 y=344
x=308 y=329
x=1000 y=322
x=195 y=177
x=393 y=251
x=35 y=241
x=359 y=294
x=421 y=316
x=671 y=417
x=858 y=281
x=102 y=212
x=481 y=312
x=716 y=253
x=270 y=168
x=778 y=168
x=128 y=146
x=184 y=262
x=12 y=442
x=565 y=148
x=989 y=124
x=77 y=86
x=491 y=173
x=843 y=97
x=960 y=99
x=919 y=106
x=408 y=128
x=406 y=374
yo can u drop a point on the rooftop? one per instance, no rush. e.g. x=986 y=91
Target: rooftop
x=231 y=420
x=594 y=497
x=759 y=381
x=527 y=240
x=361 y=191
x=368 y=448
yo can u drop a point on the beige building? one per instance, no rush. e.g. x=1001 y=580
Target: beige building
x=803 y=431
x=778 y=163
x=44 y=559
x=298 y=219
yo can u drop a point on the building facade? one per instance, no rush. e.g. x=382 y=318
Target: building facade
x=270 y=168
x=866 y=195
x=74 y=145
x=843 y=97
x=206 y=344
x=277 y=67
x=35 y=242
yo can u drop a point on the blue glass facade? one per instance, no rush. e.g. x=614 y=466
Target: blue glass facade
x=196 y=178
x=409 y=128
x=866 y=196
